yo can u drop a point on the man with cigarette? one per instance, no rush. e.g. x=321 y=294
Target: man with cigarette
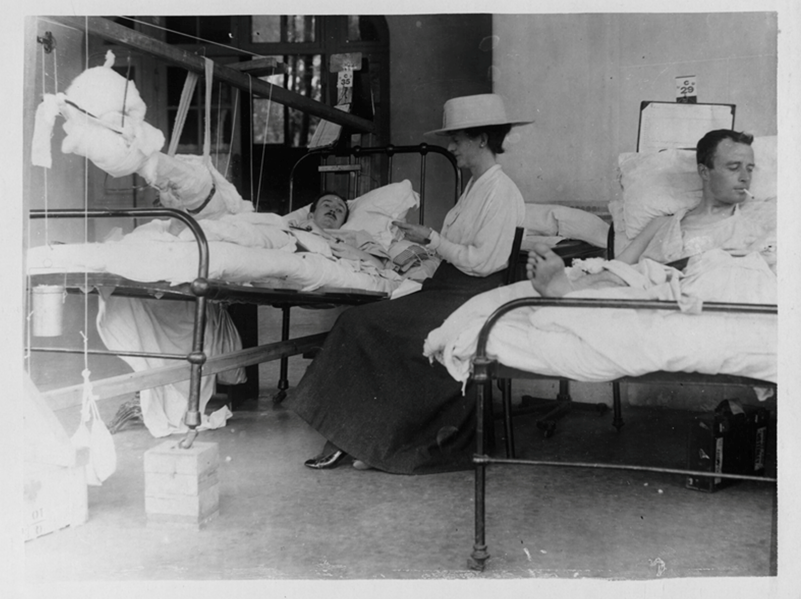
x=725 y=161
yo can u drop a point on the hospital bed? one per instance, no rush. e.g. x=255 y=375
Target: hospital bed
x=614 y=338
x=222 y=273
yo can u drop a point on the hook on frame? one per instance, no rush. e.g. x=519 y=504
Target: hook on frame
x=48 y=41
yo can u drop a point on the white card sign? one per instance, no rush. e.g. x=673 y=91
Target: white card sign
x=686 y=87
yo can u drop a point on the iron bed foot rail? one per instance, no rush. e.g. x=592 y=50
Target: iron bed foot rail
x=487 y=460
x=483 y=370
x=632 y=304
x=199 y=287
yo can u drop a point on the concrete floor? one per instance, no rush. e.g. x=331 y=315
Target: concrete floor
x=281 y=521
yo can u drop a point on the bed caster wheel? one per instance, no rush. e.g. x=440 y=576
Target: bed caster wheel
x=279 y=397
x=548 y=427
x=476 y=565
x=478 y=558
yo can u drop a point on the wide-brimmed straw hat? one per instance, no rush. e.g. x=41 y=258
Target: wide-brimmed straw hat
x=481 y=110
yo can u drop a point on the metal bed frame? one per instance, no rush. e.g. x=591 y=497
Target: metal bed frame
x=485 y=369
x=201 y=290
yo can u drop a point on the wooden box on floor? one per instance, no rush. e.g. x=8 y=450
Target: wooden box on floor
x=54 y=473
x=54 y=497
x=181 y=485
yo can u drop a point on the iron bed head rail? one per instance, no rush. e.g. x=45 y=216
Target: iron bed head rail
x=390 y=150
x=199 y=287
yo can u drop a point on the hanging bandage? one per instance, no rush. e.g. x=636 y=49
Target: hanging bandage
x=93 y=435
x=183 y=108
x=207 y=131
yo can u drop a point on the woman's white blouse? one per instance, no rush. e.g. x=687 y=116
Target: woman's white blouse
x=477 y=232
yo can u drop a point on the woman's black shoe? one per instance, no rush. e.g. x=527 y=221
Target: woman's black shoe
x=324 y=462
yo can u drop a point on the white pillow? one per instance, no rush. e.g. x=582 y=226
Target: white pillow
x=662 y=183
x=657 y=184
x=374 y=211
x=764 y=177
x=566 y=222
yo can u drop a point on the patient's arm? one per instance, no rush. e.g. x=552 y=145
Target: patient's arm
x=633 y=252
x=343 y=250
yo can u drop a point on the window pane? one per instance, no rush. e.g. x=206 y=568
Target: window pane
x=287 y=125
x=265 y=28
x=361 y=29
x=282 y=28
x=300 y=29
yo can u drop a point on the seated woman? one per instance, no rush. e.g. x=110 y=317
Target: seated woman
x=725 y=161
x=370 y=391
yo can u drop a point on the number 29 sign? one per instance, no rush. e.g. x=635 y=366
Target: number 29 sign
x=686 y=88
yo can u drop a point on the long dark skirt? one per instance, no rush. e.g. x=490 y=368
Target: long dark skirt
x=372 y=393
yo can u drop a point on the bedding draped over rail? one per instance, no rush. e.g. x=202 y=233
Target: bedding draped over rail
x=599 y=344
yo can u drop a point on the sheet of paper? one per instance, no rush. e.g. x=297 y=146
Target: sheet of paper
x=327 y=133
x=668 y=125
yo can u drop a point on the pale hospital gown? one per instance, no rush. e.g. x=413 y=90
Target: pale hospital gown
x=735 y=234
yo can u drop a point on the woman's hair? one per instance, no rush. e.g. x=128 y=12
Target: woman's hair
x=495 y=136
x=313 y=205
x=706 y=148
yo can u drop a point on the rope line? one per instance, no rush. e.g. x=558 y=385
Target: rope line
x=86 y=225
x=264 y=145
x=250 y=129
x=193 y=37
x=233 y=129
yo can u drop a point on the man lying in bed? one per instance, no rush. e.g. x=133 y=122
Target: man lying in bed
x=327 y=214
x=725 y=161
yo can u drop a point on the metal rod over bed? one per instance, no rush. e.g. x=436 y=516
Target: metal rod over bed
x=486 y=368
x=111 y=31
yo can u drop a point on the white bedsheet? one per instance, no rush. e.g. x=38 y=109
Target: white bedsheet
x=153 y=253
x=595 y=345
x=243 y=249
x=167 y=327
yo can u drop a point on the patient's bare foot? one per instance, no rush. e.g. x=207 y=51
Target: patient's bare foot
x=546 y=270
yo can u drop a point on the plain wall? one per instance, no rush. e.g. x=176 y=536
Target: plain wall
x=582 y=78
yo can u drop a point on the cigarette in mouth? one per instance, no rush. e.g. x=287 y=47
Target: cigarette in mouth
x=749 y=193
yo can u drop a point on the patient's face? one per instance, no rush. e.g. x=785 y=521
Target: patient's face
x=732 y=172
x=330 y=213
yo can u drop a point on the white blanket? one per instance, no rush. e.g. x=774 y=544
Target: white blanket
x=242 y=250
x=596 y=345
x=166 y=327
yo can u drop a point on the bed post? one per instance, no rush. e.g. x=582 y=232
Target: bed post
x=479 y=555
